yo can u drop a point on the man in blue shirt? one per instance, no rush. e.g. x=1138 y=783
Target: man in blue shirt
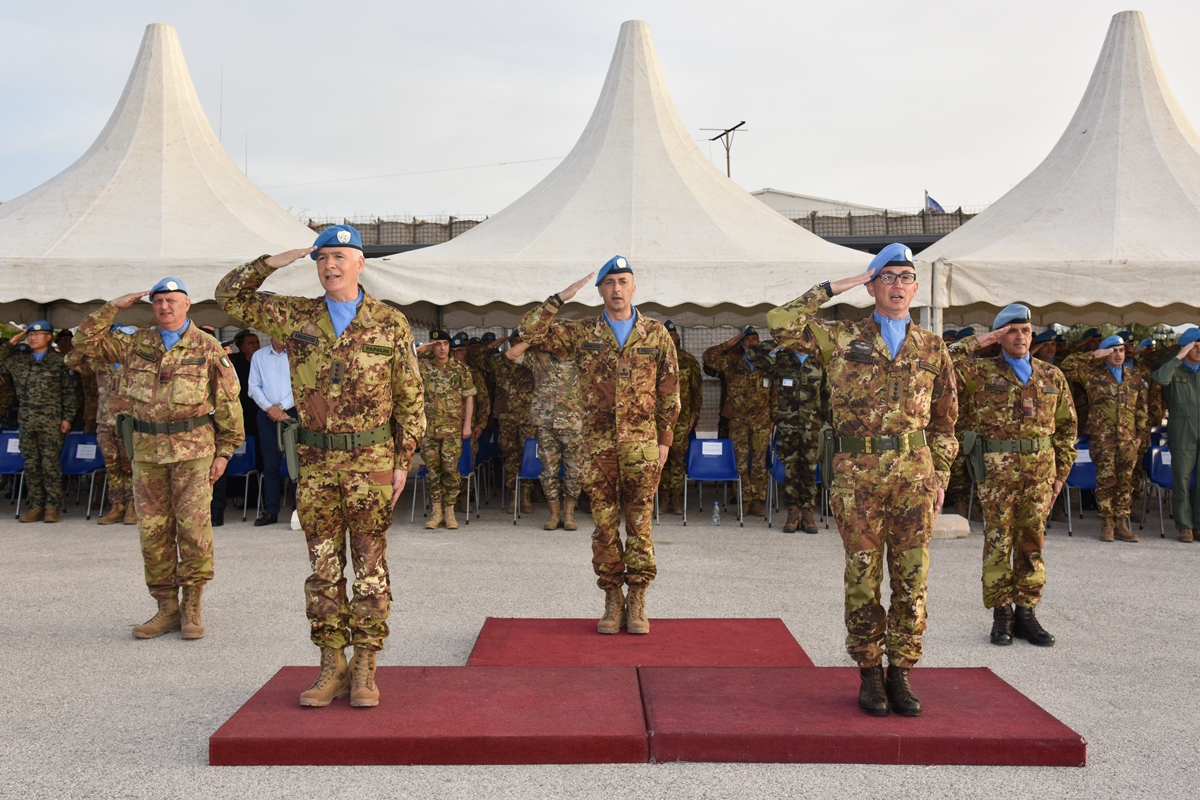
x=270 y=387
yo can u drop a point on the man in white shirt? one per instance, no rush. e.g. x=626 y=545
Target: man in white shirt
x=271 y=390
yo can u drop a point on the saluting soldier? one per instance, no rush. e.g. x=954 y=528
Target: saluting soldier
x=1020 y=410
x=1179 y=378
x=358 y=395
x=48 y=402
x=482 y=410
x=630 y=380
x=449 y=408
x=893 y=404
x=187 y=421
x=691 y=401
x=512 y=406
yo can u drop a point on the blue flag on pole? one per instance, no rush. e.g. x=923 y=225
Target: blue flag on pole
x=933 y=205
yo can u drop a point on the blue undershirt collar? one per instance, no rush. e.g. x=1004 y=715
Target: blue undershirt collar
x=1189 y=366
x=801 y=357
x=1023 y=367
x=171 y=338
x=1117 y=372
x=342 y=314
x=621 y=328
x=40 y=356
x=893 y=331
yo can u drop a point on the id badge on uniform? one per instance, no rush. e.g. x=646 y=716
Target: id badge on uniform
x=766 y=383
x=788 y=382
x=624 y=370
x=1028 y=408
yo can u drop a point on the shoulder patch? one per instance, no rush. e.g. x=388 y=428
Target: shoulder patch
x=377 y=349
x=648 y=351
x=925 y=365
x=225 y=362
x=304 y=338
x=593 y=345
x=152 y=357
x=861 y=352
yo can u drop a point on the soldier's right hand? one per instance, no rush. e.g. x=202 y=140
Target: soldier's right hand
x=992 y=337
x=20 y=337
x=846 y=284
x=1102 y=352
x=288 y=257
x=569 y=292
x=127 y=300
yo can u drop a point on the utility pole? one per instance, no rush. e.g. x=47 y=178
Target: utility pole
x=726 y=137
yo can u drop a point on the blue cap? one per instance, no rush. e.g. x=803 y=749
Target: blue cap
x=1014 y=312
x=614 y=266
x=1090 y=333
x=168 y=285
x=669 y=325
x=965 y=332
x=40 y=325
x=750 y=330
x=1145 y=343
x=1125 y=335
x=1189 y=336
x=458 y=340
x=337 y=236
x=1045 y=336
x=1112 y=341
x=894 y=255
x=489 y=336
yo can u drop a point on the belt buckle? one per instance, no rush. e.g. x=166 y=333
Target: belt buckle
x=889 y=443
x=337 y=441
x=1025 y=445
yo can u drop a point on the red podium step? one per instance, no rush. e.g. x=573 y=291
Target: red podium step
x=801 y=715
x=671 y=642
x=445 y=715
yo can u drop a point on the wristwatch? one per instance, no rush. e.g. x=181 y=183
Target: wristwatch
x=827 y=287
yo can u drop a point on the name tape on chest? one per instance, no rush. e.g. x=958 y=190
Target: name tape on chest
x=932 y=368
x=1050 y=390
x=193 y=362
x=861 y=352
x=151 y=357
x=304 y=338
x=377 y=350
x=647 y=351
x=593 y=345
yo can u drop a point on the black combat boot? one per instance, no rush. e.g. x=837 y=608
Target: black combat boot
x=903 y=701
x=1002 y=625
x=871 y=696
x=1028 y=628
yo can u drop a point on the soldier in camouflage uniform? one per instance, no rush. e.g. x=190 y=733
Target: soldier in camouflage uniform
x=801 y=409
x=183 y=396
x=111 y=401
x=557 y=413
x=359 y=398
x=449 y=408
x=513 y=402
x=1117 y=426
x=748 y=407
x=893 y=404
x=1021 y=407
x=481 y=413
x=630 y=380
x=48 y=403
x=691 y=401
x=86 y=392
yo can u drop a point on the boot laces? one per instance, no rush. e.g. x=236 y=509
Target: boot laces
x=362 y=673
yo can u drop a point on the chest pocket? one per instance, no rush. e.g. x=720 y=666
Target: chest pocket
x=189 y=386
x=140 y=379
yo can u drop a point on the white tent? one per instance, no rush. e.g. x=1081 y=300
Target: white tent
x=154 y=195
x=635 y=184
x=1107 y=228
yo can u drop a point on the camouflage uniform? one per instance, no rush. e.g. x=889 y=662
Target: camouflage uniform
x=886 y=498
x=748 y=407
x=803 y=404
x=557 y=412
x=46 y=394
x=632 y=397
x=171 y=489
x=514 y=398
x=363 y=380
x=111 y=401
x=1018 y=490
x=447 y=387
x=1117 y=426
x=691 y=400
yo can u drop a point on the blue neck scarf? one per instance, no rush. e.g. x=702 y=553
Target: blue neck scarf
x=171 y=338
x=746 y=358
x=1189 y=366
x=801 y=357
x=40 y=356
x=1117 y=372
x=1022 y=366
x=893 y=331
x=621 y=328
x=342 y=314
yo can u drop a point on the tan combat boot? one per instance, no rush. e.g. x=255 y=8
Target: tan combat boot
x=192 y=626
x=1186 y=535
x=332 y=683
x=166 y=620
x=807 y=523
x=793 y=520
x=363 y=691
x=435 y=515
x=757 y=509
x=114 y=515
x=51 y=515
x=635 y=610
x=527 y=498
x=1123 y=533
x=554 y=521
x=614 y=611
x=448 y=516
x=1106 y=530
x=130 y=514
x=33 y=515
x=568 y=521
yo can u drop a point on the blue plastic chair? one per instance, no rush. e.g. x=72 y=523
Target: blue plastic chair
x=776 y=475
x=1159 y=477
x=531 y=470
x=419 y=480
x=1158 y=436
x=1082 y=477
x=244 y=464
x=466 y=469
x=12 y=463
x=712 y=460
x=81 y=456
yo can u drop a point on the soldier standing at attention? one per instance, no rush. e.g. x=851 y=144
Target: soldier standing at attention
x=1179 y=378
x=449 y=408
x=514 y=400
x=1021 y=411
x=891 y=387
x=358 y=393
x=479 y=416
x=183 y=397
x=630 y=384
x=748 y=407
x=1117 y=425
x=691 y=400
x=48 y=403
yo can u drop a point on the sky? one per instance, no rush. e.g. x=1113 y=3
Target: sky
x=388 y=108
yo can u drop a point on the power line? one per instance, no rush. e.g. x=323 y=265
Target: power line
x=418 y=172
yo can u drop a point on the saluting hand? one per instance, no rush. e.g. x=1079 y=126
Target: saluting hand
x=1102 y=352
x=569 y=292
x=288 y=257
x=127 y=300
x=846 y=284
x=992 y=337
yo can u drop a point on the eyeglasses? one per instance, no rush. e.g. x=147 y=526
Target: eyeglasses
x=888 y=278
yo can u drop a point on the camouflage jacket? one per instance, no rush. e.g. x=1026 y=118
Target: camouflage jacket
x=1112 y=407
x=557 y=396
x=45 y=388
x=994 y=404
x=111 y=398
x=870 y=393
x=631 y=392
x=1156 y=399
x=364 y=379
x=483 y=402
x=514 y=388
x=192 y=379
x=799 y=385
x=447 y=387
x=480 y=358
x=747 y=391
x=691 y=390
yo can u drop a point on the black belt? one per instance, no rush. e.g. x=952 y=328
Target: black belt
x=178 y=426
x=878 y=444
x=1017 y=445
x=344 y=441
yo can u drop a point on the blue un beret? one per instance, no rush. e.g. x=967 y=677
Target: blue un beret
x=615 y=265
x=965 y=332
x=1189 y=336
x=1145 y=343
x=894 y=255
x=458 y=340
x=669 y=325
x=168 y=285
x=1045 y=336
x=40 y=325
x=1015 y=312
x=337 y=236
x=1112 y=341
x=1090 y=333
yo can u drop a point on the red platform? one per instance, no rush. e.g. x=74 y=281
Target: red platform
x=445 y=715
x=970 y=716
x=671 y=642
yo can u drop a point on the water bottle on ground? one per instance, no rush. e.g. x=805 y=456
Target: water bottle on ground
x=717 y=514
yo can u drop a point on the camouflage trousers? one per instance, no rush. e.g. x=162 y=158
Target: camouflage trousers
x=116 y=464
x=41 y=447
x=560 y=447
x=675 y=470
x=622 y=477
x=1185 y=500
x=339 y=508
x=960 y=479
x=751 y=440
x=513 y=433
x=883 y=505
x=174 y=523
x=1116 y=460
x=1016 y=498
x=796 y=446
x=441 y=464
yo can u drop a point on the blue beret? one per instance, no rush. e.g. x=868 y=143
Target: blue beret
x=669 y=325
x=168 y=285
x=337 y=236
x=23 y=347
x=750 y=330
x=1112 y=341
x=965 y=332
x=488 y=337
x=615 y=265
x=40 y=325
x=1014 y=312
x=894 y=255
x=1189 y=336
x=1045 y=336
x=458 y=340
x=1125 y=335
x=1090 y=333
x=1145 y=343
